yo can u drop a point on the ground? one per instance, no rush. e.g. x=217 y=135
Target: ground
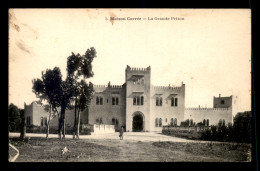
x=140 y=147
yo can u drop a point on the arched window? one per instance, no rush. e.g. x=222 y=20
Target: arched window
x=134 y=100
x=97 y=100
x=138 y=100
x=113 y=101
x=117 y=101
x=160 y=101
x=172 y=101
x=142 y=81
x=166 y=120
x=176 y=101
x=45 y=121
x=172 y=122
x=41 y=121
x=101 y=100
x=156 y=122
x=220 y=122
x=160 y=122
x=142 y=100
x=175 y=122
x=157 y=101
x=207 y=122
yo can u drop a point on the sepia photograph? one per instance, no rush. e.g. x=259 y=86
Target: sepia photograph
x=129 y=85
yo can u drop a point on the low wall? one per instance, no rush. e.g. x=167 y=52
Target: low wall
x=194 y=133
x=185 y=128
x=102 y=129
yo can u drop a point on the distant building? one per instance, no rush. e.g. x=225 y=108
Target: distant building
x=138 y=106
x=224 y=108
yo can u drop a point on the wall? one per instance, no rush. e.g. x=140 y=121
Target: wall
x=166 y=110
x=107 y=111
x=213 y=114
x=103 y=129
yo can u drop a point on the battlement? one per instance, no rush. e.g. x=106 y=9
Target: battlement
x=209 y=109
x=128 y=68
x=166 y=88
x=99 y=86
x=108 y=86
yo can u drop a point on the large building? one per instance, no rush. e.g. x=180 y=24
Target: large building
x=138 y=106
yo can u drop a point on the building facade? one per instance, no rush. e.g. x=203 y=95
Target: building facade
x=137 y=105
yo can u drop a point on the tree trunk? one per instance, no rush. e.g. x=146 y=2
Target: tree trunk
x=60 y=127
x=48 y=125
x=75 y=119
x=23 y=127
x=78 y=125
x=63 y=121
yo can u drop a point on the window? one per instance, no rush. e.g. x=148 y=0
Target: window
x=138 y=100
x=45 y=121
x=158 y=101
x=41 y=121
x=171 y=121
x=176 y=101
x=160 y=122
x=115 y=121
x=172 y=101
x=222 y=102
x=99 y=121
x=139 y=81
x=99 y=100
x=175 y=122
x=142 y=100
x=134 y=100
x=166 y=120
x=156 y=122
x=115 y=101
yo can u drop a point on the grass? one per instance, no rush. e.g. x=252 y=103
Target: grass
x=89 y=150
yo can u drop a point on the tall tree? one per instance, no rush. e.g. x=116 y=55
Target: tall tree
x=79 y=68
x=48 y=88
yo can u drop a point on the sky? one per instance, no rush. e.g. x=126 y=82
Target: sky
x=209 y=51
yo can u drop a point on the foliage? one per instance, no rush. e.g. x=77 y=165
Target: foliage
x=239 y=132
x=13 y=118
x=49 y=86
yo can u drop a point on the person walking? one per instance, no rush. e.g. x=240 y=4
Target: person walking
x=121 y=133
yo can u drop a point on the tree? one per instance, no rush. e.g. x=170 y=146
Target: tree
x=13 y=118
x=48 y=88
x=79 y=68
x=243 y=126
x=22 y=125
x=86 y=91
